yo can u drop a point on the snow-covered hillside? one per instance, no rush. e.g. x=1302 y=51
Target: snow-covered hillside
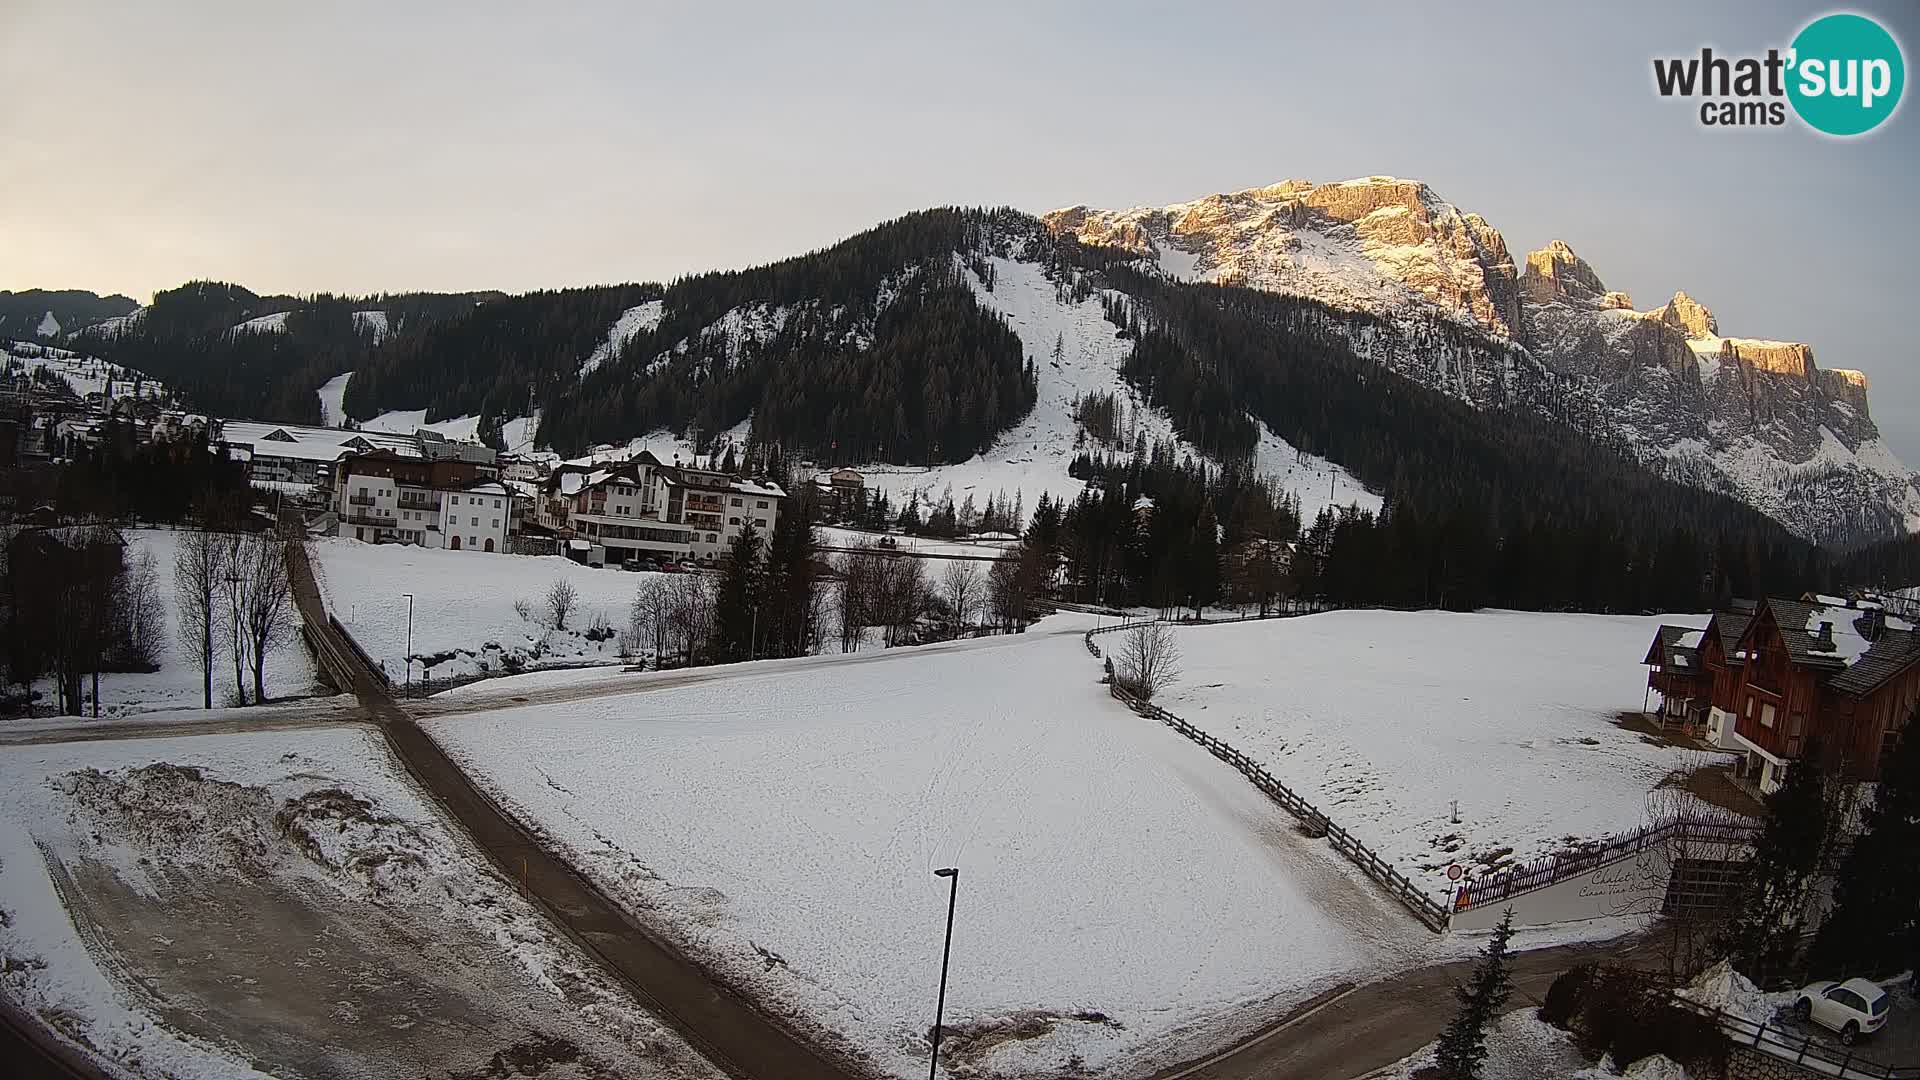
x=407 y=421
x=373 y=323
x=1076 y=354
x=85 y=374
x=636 y=320
x=275 y=323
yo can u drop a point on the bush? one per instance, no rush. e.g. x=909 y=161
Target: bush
x=1567 y=994
x=1688 y=1038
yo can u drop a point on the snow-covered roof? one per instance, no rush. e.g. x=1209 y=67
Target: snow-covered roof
x=759 y=487
x=302 y=443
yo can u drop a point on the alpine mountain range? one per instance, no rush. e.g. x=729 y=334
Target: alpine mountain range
x=1237 y=327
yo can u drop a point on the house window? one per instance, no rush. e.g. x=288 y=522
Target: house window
x=496 y=523
x=761 y=505
x=760 y=522
x=712 y=538
x=496 y=504
x=736 y=502
x=1766 y=716
x=476 y=523
x=456 y=500
x=733 y=521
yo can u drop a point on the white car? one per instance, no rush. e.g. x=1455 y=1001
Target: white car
x=1852 y=1008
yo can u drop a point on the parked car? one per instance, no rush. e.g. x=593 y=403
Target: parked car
x=1853 y=1008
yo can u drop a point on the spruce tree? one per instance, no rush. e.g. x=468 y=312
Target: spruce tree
x=791 y=583
x=1203 y=559
x=1875 y=922
x=1763 y=937
x=1463 y=1046
x=736 y=603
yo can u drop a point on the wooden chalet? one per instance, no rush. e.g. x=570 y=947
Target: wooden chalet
x=1842 y=672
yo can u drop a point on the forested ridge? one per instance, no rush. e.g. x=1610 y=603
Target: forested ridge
x=878 y=349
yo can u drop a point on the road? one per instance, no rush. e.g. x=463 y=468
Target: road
x=721 y=1024
x=1357 y=1031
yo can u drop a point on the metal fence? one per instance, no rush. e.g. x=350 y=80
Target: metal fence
x=1818 y=1057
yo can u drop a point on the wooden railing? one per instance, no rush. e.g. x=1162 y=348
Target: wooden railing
x=1429 y=911
x=1560 y=866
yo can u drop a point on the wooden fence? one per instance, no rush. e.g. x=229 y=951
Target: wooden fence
x=1560 y=866
x=1429 y=911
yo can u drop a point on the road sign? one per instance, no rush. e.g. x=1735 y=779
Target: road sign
x=1455 y=871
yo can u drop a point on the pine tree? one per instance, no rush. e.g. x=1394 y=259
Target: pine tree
x=1463 y=1046
x=737 y=601
x=791 y=585
x=1875 y=922
x=1203 y=560
x=1762 y=938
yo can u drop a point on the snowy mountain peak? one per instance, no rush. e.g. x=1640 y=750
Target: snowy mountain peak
x=1379 y=244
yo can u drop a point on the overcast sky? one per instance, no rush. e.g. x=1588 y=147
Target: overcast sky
x=359 y=148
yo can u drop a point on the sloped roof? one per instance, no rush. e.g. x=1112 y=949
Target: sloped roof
x=1670 y=649
x=1730 y=627
x=1866 y=651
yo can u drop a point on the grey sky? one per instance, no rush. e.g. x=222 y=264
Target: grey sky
x=362 y=148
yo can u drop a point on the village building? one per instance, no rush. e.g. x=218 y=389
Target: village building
x=641 y=509
x=451 y=502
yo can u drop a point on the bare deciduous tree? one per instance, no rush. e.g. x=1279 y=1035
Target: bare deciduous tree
x=142 y=613
x=650 y=618
x=859 y=574
x=266 y=615
x=199 y=570
x=562 y=597
x=690 y=614
x=1148 y=659
x=960 y=587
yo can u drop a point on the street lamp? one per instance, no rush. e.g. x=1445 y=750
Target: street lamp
x=409 y=597
x=952 y=874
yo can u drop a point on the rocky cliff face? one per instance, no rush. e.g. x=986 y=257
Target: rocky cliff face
x=1755 y=418
x=1380 y=244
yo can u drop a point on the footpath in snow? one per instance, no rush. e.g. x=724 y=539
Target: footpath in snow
x=1123 y=897
x=1384 y=720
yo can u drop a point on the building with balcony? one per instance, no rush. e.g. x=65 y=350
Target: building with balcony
x=448 y=502
x=1783 y=676
x=643 y=509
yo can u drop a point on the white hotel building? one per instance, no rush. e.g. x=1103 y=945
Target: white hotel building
x=642 y=509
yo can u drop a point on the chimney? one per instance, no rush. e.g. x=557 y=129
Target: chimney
x=1823 y=641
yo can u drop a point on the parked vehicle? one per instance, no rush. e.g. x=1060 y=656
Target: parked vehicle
x=1853 y=1008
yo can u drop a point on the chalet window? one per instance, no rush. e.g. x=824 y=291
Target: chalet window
x=760 y=522
x=456 y=500
x=496 y=504
x=1766 y=716
x=761 y=505
x=733 y=521
x=736 y=502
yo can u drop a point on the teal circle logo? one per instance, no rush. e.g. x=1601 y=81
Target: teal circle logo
x=1847 y=74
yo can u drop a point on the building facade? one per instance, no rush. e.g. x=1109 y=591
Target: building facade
x=382 y=497
x=642 y=509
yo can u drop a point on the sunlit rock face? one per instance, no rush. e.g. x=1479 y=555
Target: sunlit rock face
x=1380 y=244
x=1754 y=417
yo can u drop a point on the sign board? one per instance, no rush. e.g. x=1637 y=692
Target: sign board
x=1455 y=871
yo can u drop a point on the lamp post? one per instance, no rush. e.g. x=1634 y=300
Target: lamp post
x=409 y=597
x=952 y=874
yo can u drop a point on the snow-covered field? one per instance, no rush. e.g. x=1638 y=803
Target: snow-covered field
x=464 y=622
x=1120 y=891
x=333 y=393
x=281 y=904
x=835 y=536
x=407 y=421
x=178 y=684
x=1383 y=719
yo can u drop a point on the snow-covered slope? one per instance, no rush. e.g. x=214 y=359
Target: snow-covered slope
x=407 y=421
x=333 y=394
x=1076 y=354
x=275 y=323
x=85 y=374
x=635 y=320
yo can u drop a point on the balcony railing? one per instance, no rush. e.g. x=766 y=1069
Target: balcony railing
x=360 y=500
x=369 y=519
